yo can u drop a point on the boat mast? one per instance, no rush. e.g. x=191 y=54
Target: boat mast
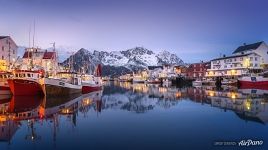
x=9 y=64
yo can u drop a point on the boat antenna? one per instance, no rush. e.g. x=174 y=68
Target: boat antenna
x=33 y=33
x=30 y=35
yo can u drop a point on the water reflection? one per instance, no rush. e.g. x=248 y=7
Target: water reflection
x=248 y=104
x=38 y=109
x=35 y=115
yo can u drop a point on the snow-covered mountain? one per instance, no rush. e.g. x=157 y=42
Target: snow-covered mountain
x=119 y=62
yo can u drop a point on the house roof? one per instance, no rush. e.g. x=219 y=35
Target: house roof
x=234 y=56
x=154 y=67
x=248 y=47
x=2 y=37
x=49 y=55
x=27 y=55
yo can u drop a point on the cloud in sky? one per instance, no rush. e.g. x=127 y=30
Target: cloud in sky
x=195 y=30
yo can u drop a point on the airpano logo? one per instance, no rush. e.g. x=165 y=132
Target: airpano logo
x=250 y=142
x=241 y=143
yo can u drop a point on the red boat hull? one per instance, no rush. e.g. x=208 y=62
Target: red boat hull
x=254 y=85
x=4 y=90
x=24 y=87
x=88 y=89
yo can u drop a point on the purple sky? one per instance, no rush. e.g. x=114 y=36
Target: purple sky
x=195 y=30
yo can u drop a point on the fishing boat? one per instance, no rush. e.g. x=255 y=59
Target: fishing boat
x=254 y=81
x=138 y=79
x=229 y=82
x=65 y=83
x=26 y=82
x=153 y=81
x=4 y=88
x=92 y=83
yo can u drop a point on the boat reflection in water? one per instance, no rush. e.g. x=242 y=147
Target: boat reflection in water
x=37 y=109
x=38 y=118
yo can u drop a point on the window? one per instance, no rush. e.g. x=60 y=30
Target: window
x=230 y=60
x=256 y=65
x=251 y=58
x=3 y=48
x=2 y=57
x=241 y=59
x=235 y=65
x=13 y=51
x=256 y=58
x=251 y=65
x=235 y=59
x=225 y=66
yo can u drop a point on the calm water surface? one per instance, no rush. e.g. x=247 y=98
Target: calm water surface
x=126 y=116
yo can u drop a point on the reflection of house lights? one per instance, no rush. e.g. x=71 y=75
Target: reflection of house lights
x=211 y=93
x=178 y=94
x=233 y=96
x=248 y=105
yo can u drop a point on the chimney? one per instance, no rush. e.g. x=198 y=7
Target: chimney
x=224 y=55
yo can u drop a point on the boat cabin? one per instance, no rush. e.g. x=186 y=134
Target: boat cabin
x=28 y=74
x=5 y=75
x=70 y=77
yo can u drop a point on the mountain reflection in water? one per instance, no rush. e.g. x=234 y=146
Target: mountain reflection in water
x=52 y=114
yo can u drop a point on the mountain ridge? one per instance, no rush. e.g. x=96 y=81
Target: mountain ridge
x=116 y=63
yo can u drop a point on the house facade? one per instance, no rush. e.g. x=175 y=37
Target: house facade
x=260 y=48
x=197 y=70
x=246 y=58
x=8 y=52
x=35 y=57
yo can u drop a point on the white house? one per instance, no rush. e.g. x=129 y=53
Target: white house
x=8 y=52
x=235 y=65
x=33 y=57
x=259 y=48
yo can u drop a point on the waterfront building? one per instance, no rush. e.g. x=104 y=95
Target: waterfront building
x=180 y=70
x=197 y=70
x=155 y=71
x=246 y=58
x=8 y=52
x=235 y=65
x=36 y=57
x=259 y=48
